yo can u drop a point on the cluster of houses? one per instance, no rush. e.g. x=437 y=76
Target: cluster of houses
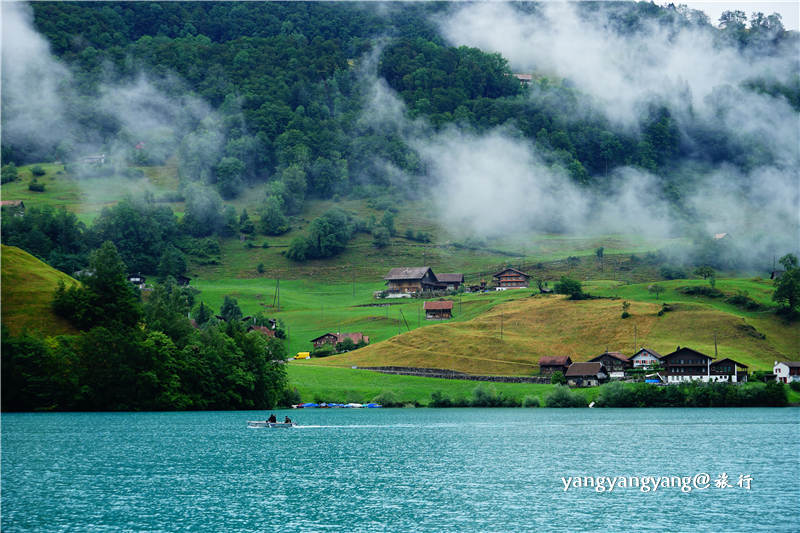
x=406 y=281
x=684 y=364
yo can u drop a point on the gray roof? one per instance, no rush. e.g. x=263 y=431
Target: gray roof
x=648 y=350
x=791 y=364
x=407 y=273
x=584 y=369
x=454 y=277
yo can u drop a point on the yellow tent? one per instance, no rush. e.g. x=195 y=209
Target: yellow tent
x=302 y=355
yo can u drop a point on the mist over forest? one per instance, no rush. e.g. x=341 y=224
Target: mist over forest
x=636 y=119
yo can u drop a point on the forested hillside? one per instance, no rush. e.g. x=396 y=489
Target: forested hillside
x=321 y=100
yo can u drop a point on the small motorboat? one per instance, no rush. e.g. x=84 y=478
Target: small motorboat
x=265 y=424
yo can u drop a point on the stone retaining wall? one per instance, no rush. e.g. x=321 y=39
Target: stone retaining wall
x=452 y=374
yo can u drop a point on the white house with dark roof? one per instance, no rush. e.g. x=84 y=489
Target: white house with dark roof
x=786 y=371
x=645 y=358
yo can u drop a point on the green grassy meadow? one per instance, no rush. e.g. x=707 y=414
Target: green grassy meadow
x=315 y=383
x=28 y=286
x=310 y=308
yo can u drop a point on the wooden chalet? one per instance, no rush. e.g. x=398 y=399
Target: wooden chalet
x=685 y=364
x=586 y=374
x=728 y=370
x=645 y=358
x=554 y=363
x=183 y=281
x=409 y=280
x=438 y=310
x=452 y=280
x=615 y=363
x=335 y=338
x=511 y=278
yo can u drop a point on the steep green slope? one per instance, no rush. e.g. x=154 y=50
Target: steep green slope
x=28 y=285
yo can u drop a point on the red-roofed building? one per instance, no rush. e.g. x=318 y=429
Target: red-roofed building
x=438 y=310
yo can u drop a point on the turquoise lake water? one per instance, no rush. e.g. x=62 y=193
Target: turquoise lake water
x=414 y=470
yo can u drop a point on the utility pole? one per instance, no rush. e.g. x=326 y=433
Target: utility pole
x=501 y=325
x=354 y=282
x=278 y=289
x=715 y=345
x=418 y=316
x=634 y=338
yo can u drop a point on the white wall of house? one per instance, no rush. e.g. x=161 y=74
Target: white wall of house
x=704 y=378
x=644 y=360
x=781 y=371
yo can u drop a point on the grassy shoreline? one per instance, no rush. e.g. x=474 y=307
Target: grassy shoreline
x=344 y=385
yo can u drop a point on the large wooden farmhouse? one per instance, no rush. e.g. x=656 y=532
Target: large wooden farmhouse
x=685 y=364
x=409 y=280
x=615 y=363
x=511 y=278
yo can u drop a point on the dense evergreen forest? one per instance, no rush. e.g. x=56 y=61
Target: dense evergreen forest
x=246 y=93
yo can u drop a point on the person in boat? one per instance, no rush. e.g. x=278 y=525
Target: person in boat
x=287 y=420
x=272 y=419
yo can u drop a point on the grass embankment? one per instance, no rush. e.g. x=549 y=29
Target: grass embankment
x=344 y=385
x=28 y=286
x=316 y=383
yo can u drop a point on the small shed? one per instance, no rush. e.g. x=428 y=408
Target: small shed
x=438 y=310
